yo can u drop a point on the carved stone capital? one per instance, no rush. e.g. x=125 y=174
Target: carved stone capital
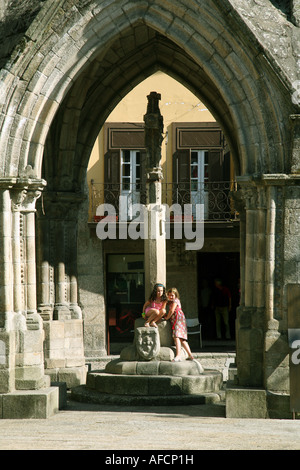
x=24 y=192
x=24 y=200
x=155 y=174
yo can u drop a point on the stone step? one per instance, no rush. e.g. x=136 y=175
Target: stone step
x=159 y=385
x=85 y=395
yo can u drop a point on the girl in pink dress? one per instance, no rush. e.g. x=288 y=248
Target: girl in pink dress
x=154 y=308
x=178 y=323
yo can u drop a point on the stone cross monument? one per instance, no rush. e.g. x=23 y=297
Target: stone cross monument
x=155 y=243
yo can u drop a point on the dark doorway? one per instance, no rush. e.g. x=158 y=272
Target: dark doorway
x=225 y=266
x=125 y=294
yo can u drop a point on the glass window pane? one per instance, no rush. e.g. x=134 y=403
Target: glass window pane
x=126 y=170
x=126 y=156
x=194 y=157
x=194 y=171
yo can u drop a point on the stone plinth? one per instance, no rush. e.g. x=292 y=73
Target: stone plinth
x=247 y=402
x=155 y=385
x=30 y=404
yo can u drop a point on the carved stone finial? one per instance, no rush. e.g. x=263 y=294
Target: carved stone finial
x=153 y=131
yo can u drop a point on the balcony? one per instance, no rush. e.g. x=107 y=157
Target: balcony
x=215 y=199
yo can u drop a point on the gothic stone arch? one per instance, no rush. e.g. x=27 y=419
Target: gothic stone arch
x=67 y=69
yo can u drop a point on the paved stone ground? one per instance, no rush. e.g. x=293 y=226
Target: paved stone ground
x=84 y=426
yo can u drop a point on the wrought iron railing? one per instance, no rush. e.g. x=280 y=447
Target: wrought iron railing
x=214 y=197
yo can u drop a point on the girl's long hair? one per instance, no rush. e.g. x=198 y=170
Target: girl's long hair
x=154 y=293
x=175 y=291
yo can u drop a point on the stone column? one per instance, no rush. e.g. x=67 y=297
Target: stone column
x=275 y=341
x=155 y=243
x=250 y=315
x=29 y=352
x=45 y=270
x=240 y=204
x=259 y=318
x=272 y=214
x=21 y=327
x=7 y=335
x=57 y=287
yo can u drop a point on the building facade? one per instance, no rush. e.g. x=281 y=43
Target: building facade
x=198 y=170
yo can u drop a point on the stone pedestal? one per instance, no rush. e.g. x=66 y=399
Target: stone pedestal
x=145 y=374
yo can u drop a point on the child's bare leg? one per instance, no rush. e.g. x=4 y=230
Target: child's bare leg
x=178 y=349
x=151 y=316
x=186 y=346
x=160 y=314
x=157 y=316
x=154 y=319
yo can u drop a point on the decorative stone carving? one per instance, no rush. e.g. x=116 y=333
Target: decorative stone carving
x=153 y=133
x=147 y=342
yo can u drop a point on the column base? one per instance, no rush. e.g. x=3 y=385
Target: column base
x=30 y=404
x=243 y=402
x=72 y=376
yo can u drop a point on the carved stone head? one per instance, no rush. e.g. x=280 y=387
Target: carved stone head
x=147 y=342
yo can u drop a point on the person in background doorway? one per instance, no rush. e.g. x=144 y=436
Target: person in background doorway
x=222 y=307
x=207 y=318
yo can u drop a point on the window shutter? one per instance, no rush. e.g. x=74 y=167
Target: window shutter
x=215 y=165
x=181 y=177
x=219 y=189
x=112 y=162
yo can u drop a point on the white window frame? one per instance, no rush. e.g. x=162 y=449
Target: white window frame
x=130 y=183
